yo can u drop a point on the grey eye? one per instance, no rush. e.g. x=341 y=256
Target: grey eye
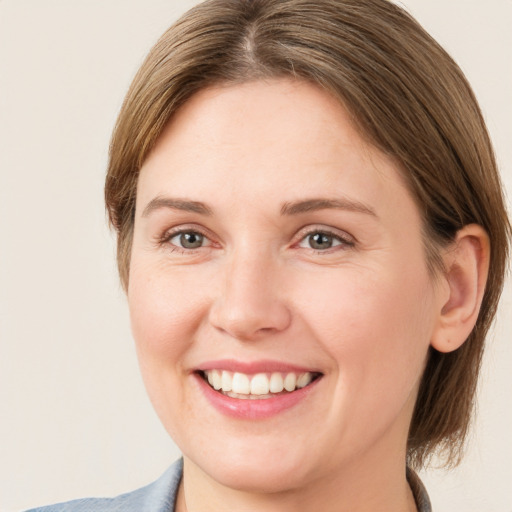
x=320 y=241
x=188 y=240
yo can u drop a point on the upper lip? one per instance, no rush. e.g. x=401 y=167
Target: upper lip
x=253 y=367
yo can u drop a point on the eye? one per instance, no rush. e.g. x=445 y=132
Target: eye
x=322 y=240
x=188 y=240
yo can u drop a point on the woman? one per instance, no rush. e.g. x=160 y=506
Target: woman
x=312 y=238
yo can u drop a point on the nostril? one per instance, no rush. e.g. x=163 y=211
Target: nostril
x=251 y=323
x=248 y=308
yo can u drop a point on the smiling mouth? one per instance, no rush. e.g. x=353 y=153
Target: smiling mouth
x=258 y=386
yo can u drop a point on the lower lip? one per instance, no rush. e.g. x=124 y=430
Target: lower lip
x=253 y=408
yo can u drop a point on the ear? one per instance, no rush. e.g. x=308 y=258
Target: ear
x=466 y=264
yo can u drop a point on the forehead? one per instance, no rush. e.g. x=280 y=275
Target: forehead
x=279 y=137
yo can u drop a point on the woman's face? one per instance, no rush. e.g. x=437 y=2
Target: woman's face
x=273 y=243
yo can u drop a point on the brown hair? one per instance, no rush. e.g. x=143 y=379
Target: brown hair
x=407 y=97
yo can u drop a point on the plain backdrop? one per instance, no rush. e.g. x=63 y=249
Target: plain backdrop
x=74 y=418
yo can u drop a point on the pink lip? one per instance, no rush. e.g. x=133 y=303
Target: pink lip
x=252 y=409
x=250 y=368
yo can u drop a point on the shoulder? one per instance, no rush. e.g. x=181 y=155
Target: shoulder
x=159 y=496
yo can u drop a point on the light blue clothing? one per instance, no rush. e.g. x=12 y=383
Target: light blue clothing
x=160 y=496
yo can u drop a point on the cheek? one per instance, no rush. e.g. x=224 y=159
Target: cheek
x=375 y=325
x=165 y=311
x=164 y=318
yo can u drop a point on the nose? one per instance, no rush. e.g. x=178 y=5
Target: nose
x=250 y=301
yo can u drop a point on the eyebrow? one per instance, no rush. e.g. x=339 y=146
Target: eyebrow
x=309 y=205
x=288 y=208
x=185 y=205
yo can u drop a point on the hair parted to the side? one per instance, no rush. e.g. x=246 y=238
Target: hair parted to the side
x=405 y=95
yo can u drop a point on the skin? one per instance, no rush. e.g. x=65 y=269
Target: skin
x=363 y=312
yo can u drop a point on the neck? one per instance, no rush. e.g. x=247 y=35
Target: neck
x=360 y=488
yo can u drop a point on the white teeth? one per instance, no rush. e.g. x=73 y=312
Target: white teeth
x=276 y=383
x=227 y=381
x=217 y=379
x=241 y=384
x=260 y=385
x=290 y=381
x=248 y=397
x=304 y=379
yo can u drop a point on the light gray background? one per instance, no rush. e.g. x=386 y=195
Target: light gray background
x=74 y=418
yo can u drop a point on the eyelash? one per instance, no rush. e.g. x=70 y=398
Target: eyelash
x=165 y=239
x=345 y=242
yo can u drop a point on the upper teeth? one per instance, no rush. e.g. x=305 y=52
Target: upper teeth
x=258 y=384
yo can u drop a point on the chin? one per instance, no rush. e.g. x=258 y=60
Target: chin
x=261 y=480
x=258 y=471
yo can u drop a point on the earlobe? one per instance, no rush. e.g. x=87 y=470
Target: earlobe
x=466 y=263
